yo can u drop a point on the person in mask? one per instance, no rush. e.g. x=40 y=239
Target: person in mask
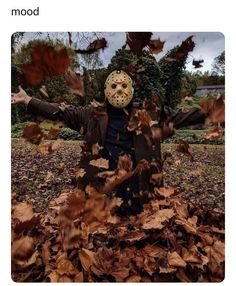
x=126 y=136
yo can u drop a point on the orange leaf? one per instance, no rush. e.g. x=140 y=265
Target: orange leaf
x=100 y=163
x=174 y=259
x=86 y=258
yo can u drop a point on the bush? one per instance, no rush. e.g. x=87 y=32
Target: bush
x=17 y=129
x=65 y=133
x=69 y=134
x=193 y=137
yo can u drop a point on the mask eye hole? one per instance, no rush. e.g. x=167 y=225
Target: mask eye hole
x=124 y=85
x=113 y=86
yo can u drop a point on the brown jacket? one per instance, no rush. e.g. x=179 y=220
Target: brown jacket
x=149 y=127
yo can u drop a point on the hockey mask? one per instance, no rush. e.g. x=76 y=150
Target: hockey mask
x=119 y=89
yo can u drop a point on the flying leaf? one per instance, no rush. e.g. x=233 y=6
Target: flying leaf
x=75 y=82
x=197 y=64
x=215 y=108
x=33 y=133
x=45 y=62
x=156 y=46
x=182 y=52
x=138 y=40
x=93 y=47
x=100 y=163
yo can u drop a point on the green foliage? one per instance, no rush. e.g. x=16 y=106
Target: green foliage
x=190 y=103
x=147 y=82
x=56 y=87
x=65 y=133
x=188 y=84
x=69 y=134
x=17 y=129
x=208 y=78
x=219 y=64
x=171 y=77
x=193 y=137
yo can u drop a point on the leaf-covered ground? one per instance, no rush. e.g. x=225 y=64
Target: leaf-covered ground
x=39 y=178
x=60 y=235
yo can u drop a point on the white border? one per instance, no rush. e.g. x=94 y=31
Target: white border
x=119 y=15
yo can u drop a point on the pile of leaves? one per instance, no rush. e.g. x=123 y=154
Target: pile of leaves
x=81 y=239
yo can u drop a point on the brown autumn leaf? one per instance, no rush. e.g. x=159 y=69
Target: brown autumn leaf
x=165 y=191
x=186 y=225
x=75 y=82
x=191 y=255
x=33 y=133
x=64 y=265
x=46 y=252
x=174 y=259
x=215 y=254
x=197 y=63
x=86 y=258
x=138 y=40
x=186 y=46
x=156 y=178
x=23 y=212
x=50 y=147
x=197 y=172
x=80 y=173
x=156 y=46
x=108 y=262
x=157 y=220
x=133 y=278
x=100 y=163
x=53 y=133
x=182 y=147
x=23 y=248
x=95 y=149
x=26 y=225
x=93 y=47
x=79 y=277
x=214 y=134
x=45 y=62
x=154 y=251
x=215 y=108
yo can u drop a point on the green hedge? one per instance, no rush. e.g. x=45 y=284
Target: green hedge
x=65 y=133
x=193 y=137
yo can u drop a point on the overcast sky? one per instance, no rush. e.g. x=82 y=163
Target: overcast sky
x=208 y=44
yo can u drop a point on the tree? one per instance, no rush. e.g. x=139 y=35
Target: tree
x=171 y=76
x=143 y=69
x=218 y=65
x=56 y=88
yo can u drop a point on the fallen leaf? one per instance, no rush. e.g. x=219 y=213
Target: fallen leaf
x=23 y=248
x=23 y=212
x=174 y=259
x=86 y=258
x=165 y=191
x=156 y=220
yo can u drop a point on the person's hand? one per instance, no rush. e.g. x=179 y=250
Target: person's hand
x=20 y=97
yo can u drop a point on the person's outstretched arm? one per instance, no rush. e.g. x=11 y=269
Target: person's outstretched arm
x=182 y=119
x=72 y=116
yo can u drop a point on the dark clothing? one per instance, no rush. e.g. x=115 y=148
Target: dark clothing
x=118 y=140
x=107 y=126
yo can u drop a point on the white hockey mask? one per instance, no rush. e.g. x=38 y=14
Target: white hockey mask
x=119 y=89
